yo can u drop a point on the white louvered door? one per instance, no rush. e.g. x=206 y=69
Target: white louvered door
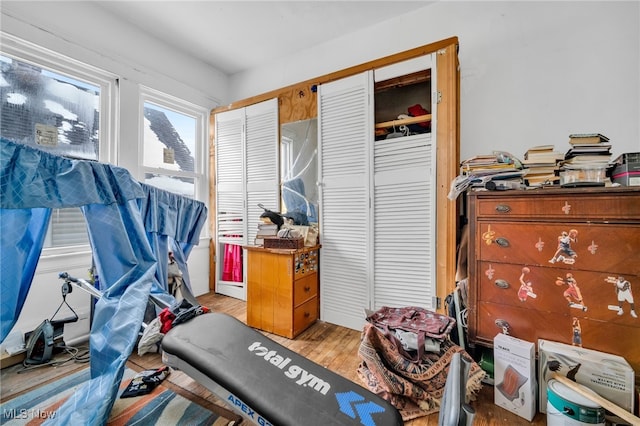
x=230 y=212
x=262 y=159
x=404 y=222
x=246 y=146
x=377 y=207
x=345 y=132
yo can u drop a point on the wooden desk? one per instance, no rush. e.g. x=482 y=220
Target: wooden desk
x=282 y=289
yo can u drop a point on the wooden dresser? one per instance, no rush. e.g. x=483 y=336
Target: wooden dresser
x=557 y=264
x=282 y=289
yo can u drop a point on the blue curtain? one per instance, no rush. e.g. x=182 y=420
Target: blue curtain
x=131 y=227
x=23 y=232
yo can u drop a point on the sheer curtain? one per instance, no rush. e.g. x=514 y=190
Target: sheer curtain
x=131 y=226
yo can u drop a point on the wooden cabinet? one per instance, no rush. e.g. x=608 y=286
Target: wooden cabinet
x=543 y=261
x=282 y=289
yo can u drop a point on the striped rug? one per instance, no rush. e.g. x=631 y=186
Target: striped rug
x=160 y=407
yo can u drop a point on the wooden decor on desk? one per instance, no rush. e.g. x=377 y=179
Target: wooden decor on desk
x=283 y=243
x=282 y=289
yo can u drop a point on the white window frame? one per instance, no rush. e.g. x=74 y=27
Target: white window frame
x=201 y=115
x=24 y=51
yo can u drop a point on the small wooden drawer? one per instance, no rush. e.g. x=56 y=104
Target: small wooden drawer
x=561 y=205
x=597 y=247
x=304 y=289
x=547 y=290
x=305 y=315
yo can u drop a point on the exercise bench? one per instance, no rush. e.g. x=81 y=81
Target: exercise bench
x=264 y=381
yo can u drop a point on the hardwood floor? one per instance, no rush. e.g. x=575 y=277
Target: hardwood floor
x=329 y=345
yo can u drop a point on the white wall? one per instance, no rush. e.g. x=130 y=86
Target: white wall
x=84 y=32
x=531 y=72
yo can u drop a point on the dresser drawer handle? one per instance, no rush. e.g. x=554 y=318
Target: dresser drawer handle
x=503 y=208
x=502 y=242
x=307 y=314
x=500 y=283
x=307 y=289
x=503 y=325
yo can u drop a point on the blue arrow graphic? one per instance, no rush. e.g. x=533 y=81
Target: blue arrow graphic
x=344 y=402
x=347 y=401
x=365 y=410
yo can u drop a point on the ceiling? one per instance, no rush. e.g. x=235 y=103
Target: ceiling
x=233 y=36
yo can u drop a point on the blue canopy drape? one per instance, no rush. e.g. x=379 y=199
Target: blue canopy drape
x=131 y=227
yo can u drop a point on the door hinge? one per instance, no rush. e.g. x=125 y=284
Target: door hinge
x=436 y=302
x=438 y=97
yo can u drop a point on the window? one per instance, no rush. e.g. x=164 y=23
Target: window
x=61 y=106
x=172 y=149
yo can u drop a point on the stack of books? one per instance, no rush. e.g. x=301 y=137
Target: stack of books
x=479 y=170
x=265 y=230
x=542 y=163
x=588 y=150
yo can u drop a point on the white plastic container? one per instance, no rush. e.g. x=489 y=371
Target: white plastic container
x=565 y=407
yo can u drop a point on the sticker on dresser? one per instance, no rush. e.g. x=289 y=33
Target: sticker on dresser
x=623 y=292
x=576 y=332
x=565 y=253
x=572 y=294
x=526 y=287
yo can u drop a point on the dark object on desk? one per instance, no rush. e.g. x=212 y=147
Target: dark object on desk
x=582 y=184
x=274 y=217
x=493 y=185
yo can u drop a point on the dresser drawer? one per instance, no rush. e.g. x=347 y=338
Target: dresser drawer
x=589 y=246
x=305 y=315
x=562 y=205
x=305 y=288
x=530 y=325
x=548 y=290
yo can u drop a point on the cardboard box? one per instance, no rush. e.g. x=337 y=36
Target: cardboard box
x=515 y=375
x=610 y=376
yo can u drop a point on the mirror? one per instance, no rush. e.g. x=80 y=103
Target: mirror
x=299 y=171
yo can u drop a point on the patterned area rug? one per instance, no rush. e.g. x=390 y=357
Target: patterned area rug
x=160 y=407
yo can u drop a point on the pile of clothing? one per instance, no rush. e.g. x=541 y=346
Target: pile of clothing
x=168 y=318
x=411 y=379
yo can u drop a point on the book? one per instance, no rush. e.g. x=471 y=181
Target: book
x=584 y=138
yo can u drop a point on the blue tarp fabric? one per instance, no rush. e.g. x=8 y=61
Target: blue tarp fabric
x=131 y=227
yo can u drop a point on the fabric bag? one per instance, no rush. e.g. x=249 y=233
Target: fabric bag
x=424 y=323
x=415 y=388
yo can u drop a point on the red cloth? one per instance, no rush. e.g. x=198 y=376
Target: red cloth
x=232 y=263
x=166 y=318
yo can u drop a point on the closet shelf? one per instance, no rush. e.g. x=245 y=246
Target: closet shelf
x=404 y=121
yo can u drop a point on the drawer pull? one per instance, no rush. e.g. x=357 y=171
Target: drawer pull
x=307 y=314
x=502 y=242
x=503 y=325
x=503 y=208
x=500 y=283
x=307 y=288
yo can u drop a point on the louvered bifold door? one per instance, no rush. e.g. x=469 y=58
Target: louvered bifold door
x=345 y=134
x=262 y=159
x=404 y=222
x=231 y=221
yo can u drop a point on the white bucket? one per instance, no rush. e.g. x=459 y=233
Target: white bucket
x=566 y=407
